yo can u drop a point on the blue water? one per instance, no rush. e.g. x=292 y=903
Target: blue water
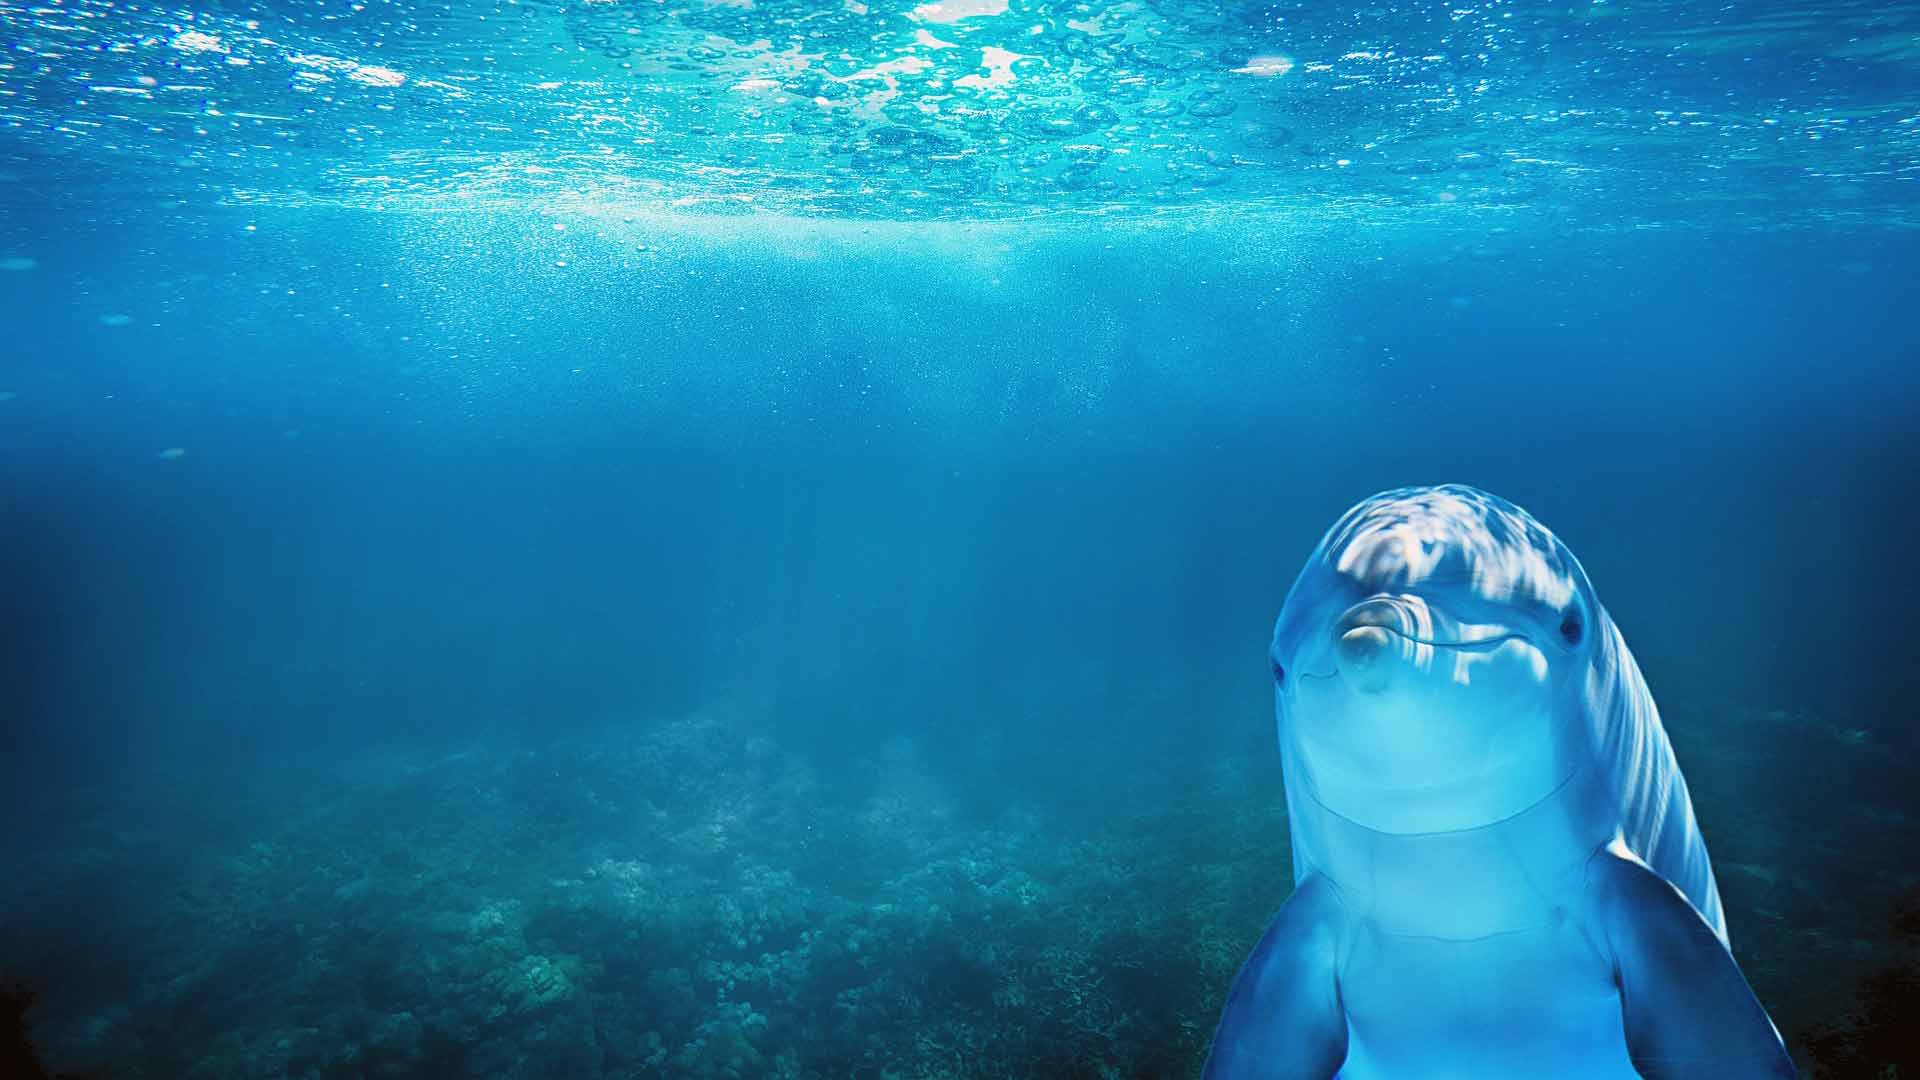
x=651 y=576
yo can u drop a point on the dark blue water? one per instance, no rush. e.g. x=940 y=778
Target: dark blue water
x=484 y=621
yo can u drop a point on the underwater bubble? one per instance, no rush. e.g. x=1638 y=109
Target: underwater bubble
x=1265 y=66
x=1164 y=57
x=115 y=319
x=173 y=453
x=18 y=263
x=1078 y=176
x=377 y=76
x=953 y=11
x=804 y=123
x=1269 y=136
x=1211 y=106
x=1056 y=125
x=193 y=41
x=8 y=395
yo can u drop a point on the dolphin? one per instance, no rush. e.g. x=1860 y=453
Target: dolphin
x=1497 y=871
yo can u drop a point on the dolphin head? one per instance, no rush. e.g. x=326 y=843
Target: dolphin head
x=1430 y=662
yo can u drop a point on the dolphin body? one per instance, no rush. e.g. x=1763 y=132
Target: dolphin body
x=1497 y=869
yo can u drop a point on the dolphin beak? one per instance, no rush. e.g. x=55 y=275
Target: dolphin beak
x=1365 y=645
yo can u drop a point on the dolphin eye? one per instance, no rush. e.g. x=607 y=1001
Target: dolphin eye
x=1279 y=673
x=1571 y=628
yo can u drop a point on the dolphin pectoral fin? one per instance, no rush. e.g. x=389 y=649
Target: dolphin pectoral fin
x=1687 y=1010
x=1283 y=1017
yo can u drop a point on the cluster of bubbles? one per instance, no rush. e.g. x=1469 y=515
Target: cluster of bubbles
x=893 y=108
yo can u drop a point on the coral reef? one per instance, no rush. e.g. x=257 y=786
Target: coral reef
x=693 y=899
x=19 y=1059
x=1878 y=1037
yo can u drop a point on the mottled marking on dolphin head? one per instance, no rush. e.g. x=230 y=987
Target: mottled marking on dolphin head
x=1431 y=662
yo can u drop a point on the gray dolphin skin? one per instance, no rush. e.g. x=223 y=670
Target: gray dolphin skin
x=1496 y=864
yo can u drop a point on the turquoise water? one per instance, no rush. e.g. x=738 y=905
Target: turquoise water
x=740 y=539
